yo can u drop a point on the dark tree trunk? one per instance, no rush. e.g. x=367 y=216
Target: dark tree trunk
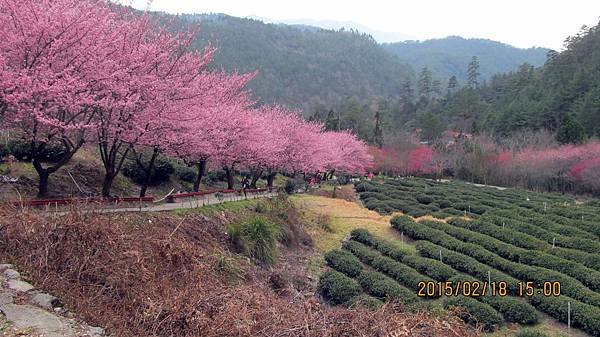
x=112 y=163
x=107 y=184
x=43 y=184
x=331 y=174
x=147 y=170
x=44 y=173
x=229 y=173
x=255 y=178
x=201 y=165
x=270 y=178
x=325 y=176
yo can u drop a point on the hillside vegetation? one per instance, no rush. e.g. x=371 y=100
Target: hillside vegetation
x=561 y=96
x=298 y=67
x=449 y=56
x=308 y=67
x=185 y=274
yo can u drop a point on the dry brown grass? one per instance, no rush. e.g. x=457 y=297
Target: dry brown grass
x=344 y=217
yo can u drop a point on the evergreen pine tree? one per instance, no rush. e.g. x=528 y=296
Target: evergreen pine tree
x=452 y=85
x=425 y=85
x=571 y=131
x=378 y=133
x=473 y=73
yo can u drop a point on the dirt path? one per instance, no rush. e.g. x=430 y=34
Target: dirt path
x=189 y=203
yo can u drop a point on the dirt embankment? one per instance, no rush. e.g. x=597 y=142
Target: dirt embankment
x=175 y=274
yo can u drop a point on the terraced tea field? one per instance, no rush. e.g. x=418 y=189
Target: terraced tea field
x=505 y=256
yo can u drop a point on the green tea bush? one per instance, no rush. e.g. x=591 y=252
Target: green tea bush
x=424 y=199
x=399 y=272
x=430 y=267
x=467 y=264
x=381 y=286
x=587 y=276
x=570 y=286
x=567 y=241
x=513 y=309
x=583 y=316
x=343 y=261
x=338 y=288
x=475 y=312
x=384 y=247
x=416 y=213
x=362 y=252
x=257 y=237
x=374 y=195
x=364 y=301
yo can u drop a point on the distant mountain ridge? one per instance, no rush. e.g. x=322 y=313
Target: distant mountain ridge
x=378 y=35
x=300 y=67
x=450 y=56
x=308 y=67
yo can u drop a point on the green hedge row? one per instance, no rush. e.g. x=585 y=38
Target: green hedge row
x=344 y=262
x=467 y=264
x=364 y=301
x=553 y=306
x=586 y=245
x=590 y=260
x=584 y=225
x=430 y=267
x=506 y=235
x=587 y=259
x=485 y=235
x=475 y=312
x=583 y=316
x=386 y=248
x=570 y=286
x=383 y=287
x=512 y=309
x=338 y=288
x=396 y=270
x=576 y=213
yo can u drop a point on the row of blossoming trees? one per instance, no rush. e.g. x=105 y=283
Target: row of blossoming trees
x=76 y=72
x=537 y=162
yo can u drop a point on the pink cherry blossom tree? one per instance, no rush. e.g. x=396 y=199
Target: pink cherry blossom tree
x=53 y=57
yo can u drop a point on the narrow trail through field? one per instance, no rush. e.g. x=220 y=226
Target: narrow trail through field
x=342 y=216
x=190 y=203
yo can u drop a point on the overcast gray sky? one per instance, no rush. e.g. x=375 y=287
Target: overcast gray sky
x=522 y=23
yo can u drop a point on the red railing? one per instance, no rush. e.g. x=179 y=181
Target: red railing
x=71 y=201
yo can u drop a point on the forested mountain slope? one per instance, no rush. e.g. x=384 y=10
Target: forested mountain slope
x=306 y=67
x=562 y=96
x=449 y=56
x=301 y=67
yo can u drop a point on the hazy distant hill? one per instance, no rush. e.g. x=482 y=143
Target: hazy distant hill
x=301 y=67
x=378 y=35
x=305 y=66
x=450 y=56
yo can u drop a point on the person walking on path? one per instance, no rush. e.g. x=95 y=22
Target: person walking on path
x=245 y=184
